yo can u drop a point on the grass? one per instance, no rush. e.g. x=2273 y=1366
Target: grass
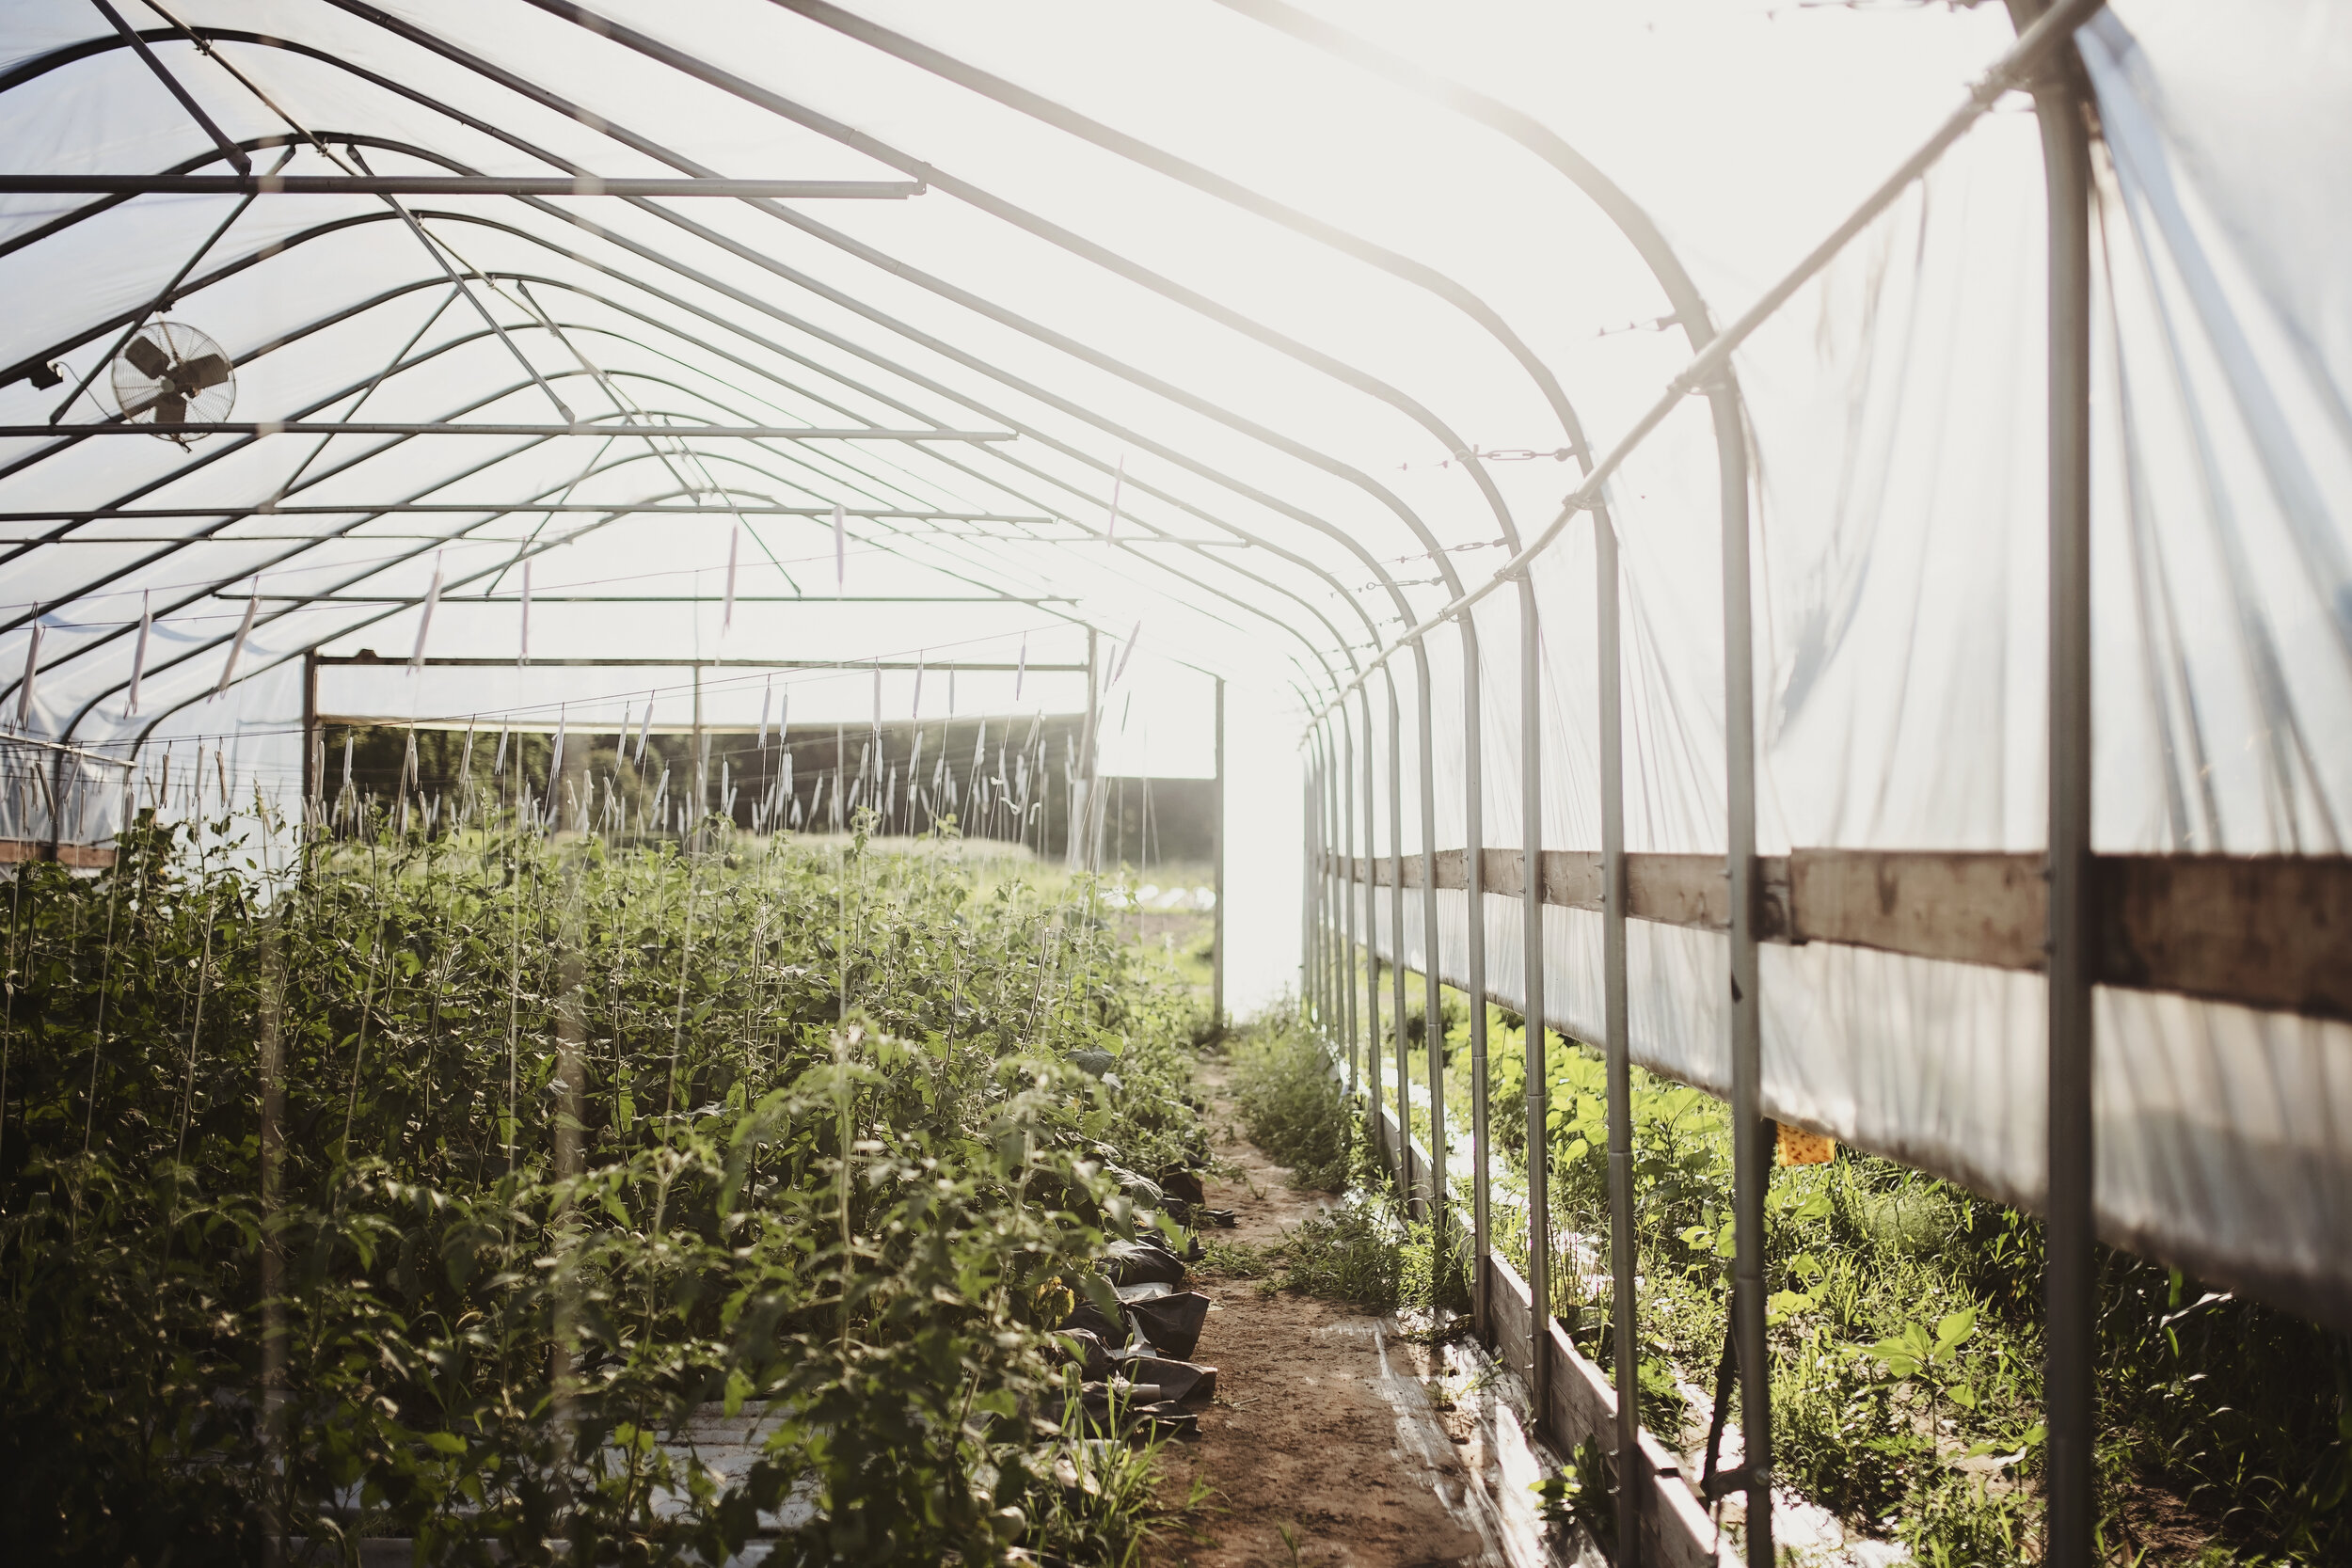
x=1292 y=1106
x=542 y=1146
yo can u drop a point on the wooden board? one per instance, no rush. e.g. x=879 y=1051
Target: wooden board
x=2273 y=933
x=15 y=852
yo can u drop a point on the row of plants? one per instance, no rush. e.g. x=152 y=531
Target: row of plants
x=1905 y=1331
x=443 y=1188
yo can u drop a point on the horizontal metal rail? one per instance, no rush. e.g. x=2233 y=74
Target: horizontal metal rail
x=652 y=598
x=63 y=750
x=749 y=509
x=853 y=666
x=855 y=728
x=451 y=185
x=2266 y=931
x=463 y=427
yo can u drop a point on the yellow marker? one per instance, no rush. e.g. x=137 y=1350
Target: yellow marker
x=1801 y=1147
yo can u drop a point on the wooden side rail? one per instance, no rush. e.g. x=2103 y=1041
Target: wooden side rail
x=14 y=851
x=2268 y=931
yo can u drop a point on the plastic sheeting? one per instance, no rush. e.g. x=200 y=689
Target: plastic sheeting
x=1896 y=418
x=1335 y=343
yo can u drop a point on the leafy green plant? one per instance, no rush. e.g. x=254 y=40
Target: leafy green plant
x=2236 y=1416
x=1580 y=1493
x=550 y=1149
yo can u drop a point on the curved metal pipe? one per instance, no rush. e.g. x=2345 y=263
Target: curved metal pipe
x=344 y=314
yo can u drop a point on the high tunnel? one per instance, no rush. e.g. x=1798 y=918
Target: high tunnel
x=1808 y=546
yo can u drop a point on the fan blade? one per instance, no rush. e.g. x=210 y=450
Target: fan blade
x=149 y=360
x=194 y=375
x=172 y=408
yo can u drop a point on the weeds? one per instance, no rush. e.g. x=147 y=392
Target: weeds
x=1292 y=1106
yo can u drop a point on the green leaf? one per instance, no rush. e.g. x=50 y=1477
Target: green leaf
x=1952 y=1327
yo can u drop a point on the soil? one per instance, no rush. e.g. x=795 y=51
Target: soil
x=1309 y=1448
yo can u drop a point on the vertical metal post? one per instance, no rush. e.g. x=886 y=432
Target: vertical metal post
x=1372 y=923
x=1751 y=1168
x=1327 y=973
x=1307 y=994
x=1311 y=851
x=1328 y=814
x=272 y=1068
x=1432 y=1016
x=1345 y=784
x=1216 y=856
x=1310 y=860
x=1474 y=895
x=1396 y=938
x=310 y=738
x=702 y=761
x=2068 y=1389
x=1624 y=1328
x=571 y=1071
x=1538 y=1138
x=1085 y=843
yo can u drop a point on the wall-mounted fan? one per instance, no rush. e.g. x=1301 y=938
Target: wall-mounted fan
x=170 y=375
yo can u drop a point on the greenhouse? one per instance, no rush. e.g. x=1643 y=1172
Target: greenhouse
x=1245 y=781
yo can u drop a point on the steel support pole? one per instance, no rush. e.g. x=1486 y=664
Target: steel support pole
x=1532 y=949
x=1623 y=1258
x=1344 y=783
x=1334 y=973
x=1474 y=891
x=1327 y=813
x=1313 y=856
x=1396 y=944
x=1081 y=850
x=1327 y=809
x=1308 y=849
x=1432 y=1016
x=1307 y=894
x=2069 y=1388
x=1751 y=1157
x=1217 y=857
x=311 y=736
x=1372 y=960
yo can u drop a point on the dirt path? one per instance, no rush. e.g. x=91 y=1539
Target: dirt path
x=1321 y=1427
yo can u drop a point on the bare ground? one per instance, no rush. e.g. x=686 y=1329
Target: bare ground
x=1321 y=1446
